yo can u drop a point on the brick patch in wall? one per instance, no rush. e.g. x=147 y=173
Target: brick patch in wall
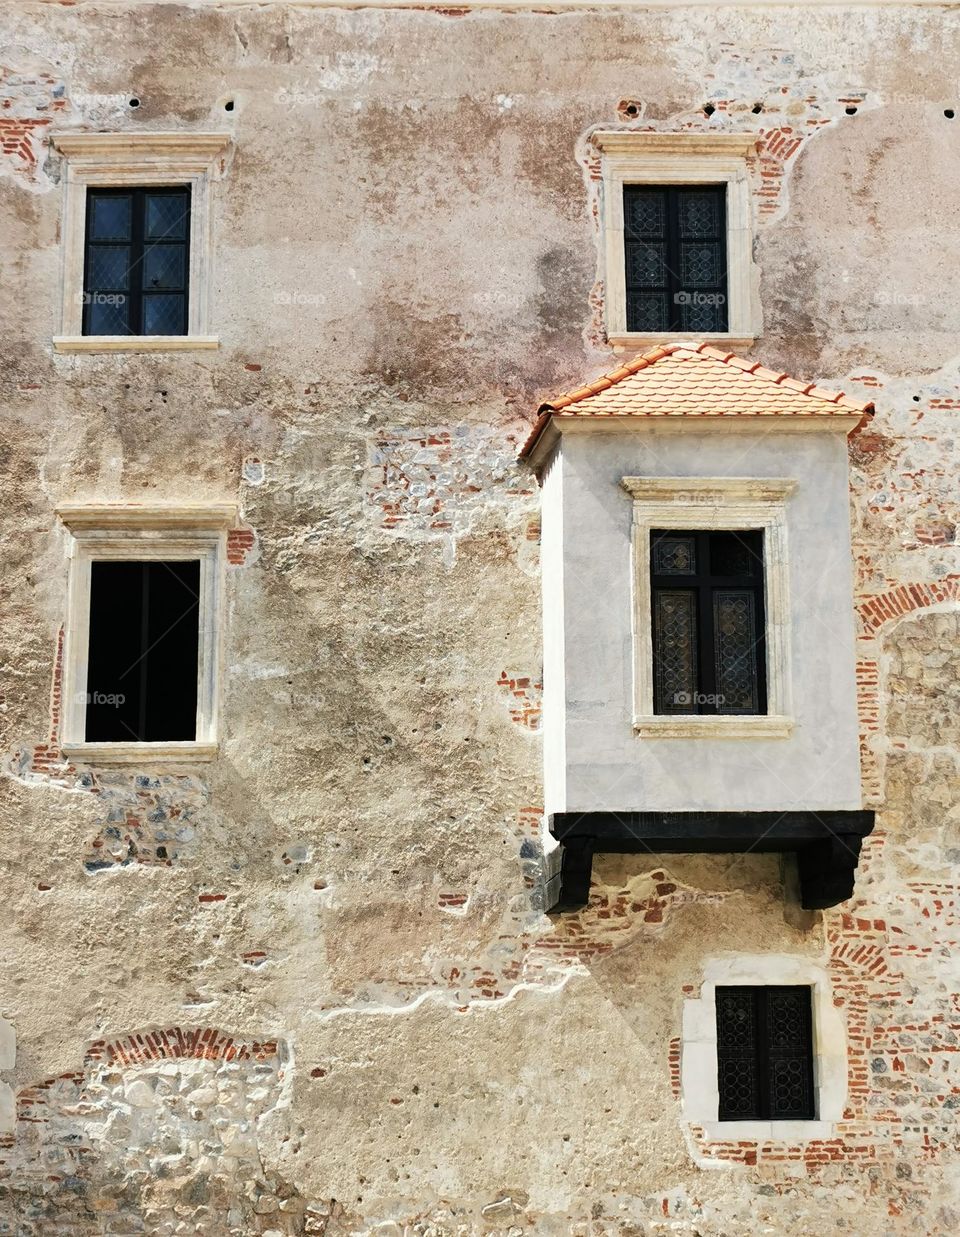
x=526 y=705
x=169 y=1090
x=435 y=482
x=241 y=547
x=876 y=612
x=176 y=1043
x=30 y=100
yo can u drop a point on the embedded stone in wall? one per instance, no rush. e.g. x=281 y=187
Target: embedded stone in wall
x=157 y=1126
x=149 y=819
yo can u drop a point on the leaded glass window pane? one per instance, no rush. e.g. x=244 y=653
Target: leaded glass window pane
x=109 y=217
x=110 y=267
x=675 y=645
x=735 y=634
x=648 y=311
x=674 y=556
x=166 y=216
x=107 y=314
x=163 y=315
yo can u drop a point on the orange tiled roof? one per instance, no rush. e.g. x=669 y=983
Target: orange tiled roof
x=695 y=380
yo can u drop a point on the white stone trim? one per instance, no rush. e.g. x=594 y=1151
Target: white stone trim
x=631 y=158
x=705 y=503
x=129 y=531
x=115 y=160
x=134 y=343
x=8 y=1059
x=700 y=1095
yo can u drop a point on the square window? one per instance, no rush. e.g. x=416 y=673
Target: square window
x=121 y=282
x=765 y=1054
x=708 y=629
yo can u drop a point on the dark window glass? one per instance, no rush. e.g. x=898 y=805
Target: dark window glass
x=708 y=626
x=137 y=267
x=144 y=643
x=765 y=1054
x=675 y=254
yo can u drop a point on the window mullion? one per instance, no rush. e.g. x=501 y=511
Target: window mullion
x=135 y=281
x=762 y=1059
x=673 y=257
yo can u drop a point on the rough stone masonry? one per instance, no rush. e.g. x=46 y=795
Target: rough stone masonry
x=309 y=987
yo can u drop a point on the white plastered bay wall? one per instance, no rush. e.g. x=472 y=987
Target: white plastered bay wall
x=595 y=760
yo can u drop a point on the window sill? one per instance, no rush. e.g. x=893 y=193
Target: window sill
x=624 y=341
x=139 y=753
x=134 y=343
x=767 y=1131
x=725 y=727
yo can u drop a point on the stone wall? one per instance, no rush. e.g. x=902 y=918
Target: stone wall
x=309 y=987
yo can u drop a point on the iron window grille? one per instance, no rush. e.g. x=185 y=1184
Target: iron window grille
x=675 y=256
x=137 y=261
x=706 y=591
x=765 y=1054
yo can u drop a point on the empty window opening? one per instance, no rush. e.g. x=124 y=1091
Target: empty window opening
x=765 y=1054
x=137 y=261
x=143 y=652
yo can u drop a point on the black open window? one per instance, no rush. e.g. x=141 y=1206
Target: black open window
x=708 y=622
x=675 y=255
x=137 y=261
x=143 y=652
x=765 y=1054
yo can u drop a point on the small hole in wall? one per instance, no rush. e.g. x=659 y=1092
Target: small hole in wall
x=949 y=113
x=851 y=111
x=631 y=110
x=916 y=399
x=134 y=102
x=757 y=109
x=708 y=109
x=228 y=106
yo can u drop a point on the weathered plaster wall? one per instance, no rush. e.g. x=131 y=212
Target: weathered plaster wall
x=310 y=988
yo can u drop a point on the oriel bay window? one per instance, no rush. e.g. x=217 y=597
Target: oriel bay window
x=137 y=261
x=708 y=621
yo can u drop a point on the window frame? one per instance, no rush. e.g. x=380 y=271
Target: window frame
x=678 y=160
x=138 y=160
x=140 y=535
x=699 y=1089
x=707 y=504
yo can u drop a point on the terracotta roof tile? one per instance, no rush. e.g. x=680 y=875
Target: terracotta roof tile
x=695 y=380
